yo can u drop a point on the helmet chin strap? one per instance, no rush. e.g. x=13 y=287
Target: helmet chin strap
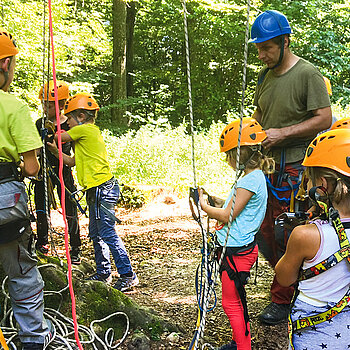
x=281 y=53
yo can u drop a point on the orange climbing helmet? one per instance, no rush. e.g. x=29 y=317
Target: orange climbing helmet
x=343 y=123
x=328 y=85
x=252 y=134
x=330 y=150
x=62 y=91
x=81 y=100
x=8 y=45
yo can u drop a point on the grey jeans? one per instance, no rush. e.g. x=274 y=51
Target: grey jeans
x=25 y=285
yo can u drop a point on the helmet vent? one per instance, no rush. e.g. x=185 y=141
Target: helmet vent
x=348 y=161
x=253 y=136
x=89 y=104
x=331 y=137
x=309 y=151
x=222 y=143
x=322 y=138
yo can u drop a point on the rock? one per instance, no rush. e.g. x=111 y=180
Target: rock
x=139 y=341
x=173 y=338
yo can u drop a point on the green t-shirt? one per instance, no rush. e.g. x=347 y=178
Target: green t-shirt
x=18 y=133
x=289 y=99
x=90 y=155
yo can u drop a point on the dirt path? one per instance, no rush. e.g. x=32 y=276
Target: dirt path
x=164 y=242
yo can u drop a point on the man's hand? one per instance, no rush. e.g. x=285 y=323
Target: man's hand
x=274 y=137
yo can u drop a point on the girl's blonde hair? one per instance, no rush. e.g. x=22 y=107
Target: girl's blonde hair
x=340 y=183
x=251 y=158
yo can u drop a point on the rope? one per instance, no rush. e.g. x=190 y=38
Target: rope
x=202 y=305
x=66 y=243
x=208 y=293
x=64 y=326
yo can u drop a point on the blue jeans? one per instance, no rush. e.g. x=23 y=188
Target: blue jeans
x=102 y=229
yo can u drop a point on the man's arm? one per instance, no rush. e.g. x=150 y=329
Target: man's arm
x=321 y=120
x=257 y=114
x=30 y=165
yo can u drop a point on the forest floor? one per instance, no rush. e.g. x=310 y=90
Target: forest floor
x=163 y=242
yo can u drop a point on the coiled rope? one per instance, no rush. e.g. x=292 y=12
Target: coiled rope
x=64 y=326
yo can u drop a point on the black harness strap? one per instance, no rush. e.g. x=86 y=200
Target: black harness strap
x=9 y=172
x=240 y=278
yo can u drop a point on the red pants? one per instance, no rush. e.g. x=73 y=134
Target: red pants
x=231 y=301
x=266 y=237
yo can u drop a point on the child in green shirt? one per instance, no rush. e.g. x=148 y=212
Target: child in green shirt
x=95 y=176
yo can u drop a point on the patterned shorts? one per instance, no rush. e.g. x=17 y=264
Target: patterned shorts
x=331 y=335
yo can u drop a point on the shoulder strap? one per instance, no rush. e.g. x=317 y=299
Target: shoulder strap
x=337 y=257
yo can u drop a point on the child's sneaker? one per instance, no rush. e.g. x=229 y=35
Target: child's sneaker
x=100 y=277
x=43 y=249
x=230 y=346
x=125 y=283
x=75 y=256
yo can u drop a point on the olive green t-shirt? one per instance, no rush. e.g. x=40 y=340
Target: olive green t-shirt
x=289 y=99
x=18 y=133
x=90 y=155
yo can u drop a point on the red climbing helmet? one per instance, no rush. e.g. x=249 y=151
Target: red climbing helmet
x=252 y=134
x=330 y=150
x=8 y=46
x=62 y=91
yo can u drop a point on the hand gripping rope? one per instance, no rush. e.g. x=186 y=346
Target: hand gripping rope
x=70 y=282
x=210 y=277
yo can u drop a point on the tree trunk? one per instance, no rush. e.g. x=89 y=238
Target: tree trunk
x=119 y=62
x=130 y=25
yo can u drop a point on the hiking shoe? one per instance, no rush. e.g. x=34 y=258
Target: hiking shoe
x=43 y=249
x=230 y=346
x=75 y=256
x=100 y=277
x=274 y=314
x=125 y=283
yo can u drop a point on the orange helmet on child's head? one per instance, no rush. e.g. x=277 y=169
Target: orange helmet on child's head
x=8 y=45
x=343 y=123
x=252 y=134
x=62 y=91
x=81 y=100
x=330 y=150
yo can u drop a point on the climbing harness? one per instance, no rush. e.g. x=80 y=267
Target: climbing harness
x=210 y=270
x=332 y=215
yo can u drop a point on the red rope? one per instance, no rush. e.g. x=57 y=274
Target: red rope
x=63 y=194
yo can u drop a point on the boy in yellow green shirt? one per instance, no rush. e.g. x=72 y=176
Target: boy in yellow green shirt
x=95 y=176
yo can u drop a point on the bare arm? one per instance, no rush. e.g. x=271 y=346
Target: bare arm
x=67 y=160
x=223 y=214
x=257 y=114
x=303 y=244
x=321 y=120
x=30 y=165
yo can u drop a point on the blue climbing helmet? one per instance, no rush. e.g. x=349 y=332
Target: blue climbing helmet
x=268 y=25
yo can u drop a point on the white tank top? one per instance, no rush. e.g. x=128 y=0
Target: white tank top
x=331 y=285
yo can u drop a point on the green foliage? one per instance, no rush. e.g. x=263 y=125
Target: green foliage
x=162 y=156
x=131 y=198
x=83 y=51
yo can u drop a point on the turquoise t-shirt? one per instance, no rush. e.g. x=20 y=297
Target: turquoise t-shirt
x=247 y=223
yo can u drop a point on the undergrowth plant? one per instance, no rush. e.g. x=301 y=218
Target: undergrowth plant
x=163 y=156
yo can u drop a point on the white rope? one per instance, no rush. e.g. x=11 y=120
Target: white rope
x=64 y=326
x=204 y=264
x=201 y=328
